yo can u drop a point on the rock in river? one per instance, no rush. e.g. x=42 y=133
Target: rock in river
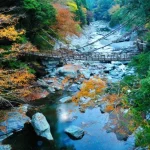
x=41 y=126
x=5 y=147
x=86 y=73
x=15 y=122
x=75 y=132
x=68 y=71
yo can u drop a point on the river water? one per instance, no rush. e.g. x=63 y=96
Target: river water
x=60 y=116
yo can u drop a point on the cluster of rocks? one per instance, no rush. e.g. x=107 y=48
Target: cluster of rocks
x=15 y=122
x=78 y=71
x=17 y=118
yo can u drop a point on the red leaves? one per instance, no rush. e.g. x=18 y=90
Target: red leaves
x=66 y=25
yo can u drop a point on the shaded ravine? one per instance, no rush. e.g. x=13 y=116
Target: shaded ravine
x=60 y=116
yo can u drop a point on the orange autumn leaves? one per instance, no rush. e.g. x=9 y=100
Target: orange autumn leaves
x=17 y=82
x=93 y=88
x=9 y=32
x=90 y=88
x=111 y=100
x=65 y=25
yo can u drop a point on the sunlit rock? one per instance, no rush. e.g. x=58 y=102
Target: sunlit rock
x=86 y=73
x=15 y=122
x=71 y=71
x=75 y=132
x=41 y=126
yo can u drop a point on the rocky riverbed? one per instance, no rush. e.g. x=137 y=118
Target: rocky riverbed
x=69 y=125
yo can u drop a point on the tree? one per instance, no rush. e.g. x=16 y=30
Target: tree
x=65 y=25
x=40 y=14
x=101 y=9
x=90 y=88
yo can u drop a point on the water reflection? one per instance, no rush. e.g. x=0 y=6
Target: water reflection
x=60 y=116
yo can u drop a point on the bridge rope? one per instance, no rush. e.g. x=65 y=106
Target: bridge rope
x=107 y=35
x=136 y=28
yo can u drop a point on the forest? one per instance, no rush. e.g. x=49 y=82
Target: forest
x=69 y=34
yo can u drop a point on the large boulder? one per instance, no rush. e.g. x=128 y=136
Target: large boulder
x=68 y=71
x=108 y=68
x=5 y=147
x=75 y=132
x=42 y=83
x=86 y=73
x=66 y=99
x=15 y=122
x=73 y=88
x=41 y=126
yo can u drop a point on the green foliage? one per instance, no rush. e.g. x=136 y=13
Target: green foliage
x=101 y=9
x=80 y=14
x=15 y=64
x=42 y=12
x=143 y=137
x=42 y=41
x=115 y=18
x=23 y=39
x=40 y=15
x=142 y=64
x=138 y=99
x=31 y=5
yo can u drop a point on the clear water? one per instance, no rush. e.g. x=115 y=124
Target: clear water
x=61 y=116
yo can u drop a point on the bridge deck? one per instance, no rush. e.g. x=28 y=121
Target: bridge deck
x=86 y=57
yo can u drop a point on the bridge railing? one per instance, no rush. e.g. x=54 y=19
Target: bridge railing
x=105 y=56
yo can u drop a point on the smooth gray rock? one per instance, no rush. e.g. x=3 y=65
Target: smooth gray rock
x=42 y=83
x=86 y=73
x=114 y=73
x=123 y=45
x=15 y=122
x=73 y=88
x=66 y=99
x=51 y=89
x=41 y=126
x=84 y=100
x=71 y=72
x=121 y=137
x=75 y=132
x=108 y=68
x=5 y=147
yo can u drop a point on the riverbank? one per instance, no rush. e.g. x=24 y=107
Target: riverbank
x=66 y=81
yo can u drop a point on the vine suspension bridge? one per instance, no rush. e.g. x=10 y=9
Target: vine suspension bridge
x=76 y=54
x=95 y=56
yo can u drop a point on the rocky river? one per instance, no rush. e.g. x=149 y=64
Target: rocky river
x=57 y=123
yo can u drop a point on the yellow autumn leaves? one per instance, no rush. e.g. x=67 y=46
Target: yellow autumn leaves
x=90 y=88
x=10 y=33
x=8 y=30
x=17 y=81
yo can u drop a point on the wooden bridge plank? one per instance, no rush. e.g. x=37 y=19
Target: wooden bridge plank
x=87 y=57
